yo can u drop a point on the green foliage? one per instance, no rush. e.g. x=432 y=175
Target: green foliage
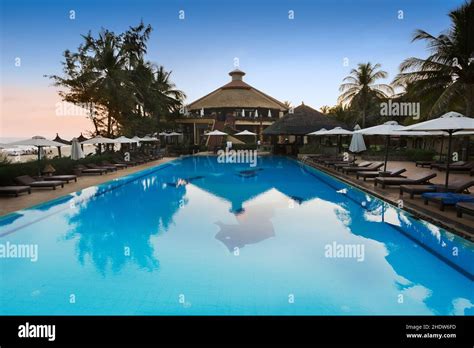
x=363 y=94
x=445 y=79
x=123 y=92
x=310 y=148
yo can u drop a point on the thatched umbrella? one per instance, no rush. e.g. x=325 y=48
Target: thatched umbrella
x=58 y=139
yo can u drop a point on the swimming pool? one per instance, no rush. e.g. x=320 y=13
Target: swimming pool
x=198 y=237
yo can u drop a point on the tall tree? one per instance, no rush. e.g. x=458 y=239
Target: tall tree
x=361 y=91
x=448 y=72
x=126 y=93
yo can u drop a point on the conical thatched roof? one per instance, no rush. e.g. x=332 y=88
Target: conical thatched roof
x=302 y=121
x=81 y=138
x=60 y=140
x=237 y=94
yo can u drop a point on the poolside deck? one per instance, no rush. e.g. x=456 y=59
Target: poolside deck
x=447 y=219
x=37 y=196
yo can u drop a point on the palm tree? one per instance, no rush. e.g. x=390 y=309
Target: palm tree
x=360 y=90
x=449 y=68
x=325 y=109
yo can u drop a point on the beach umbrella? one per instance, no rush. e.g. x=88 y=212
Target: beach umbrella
x=39 y=142
x=269 y=113
x=243 y=112
x=338 y=131
x=246 y=132
x=319 y=132
x=62 y=141
x=81 y=138
x=451 y=123
x=215 y=132
x=124 y=140
x=148 y=138
x=357 y=142
x=98 y=140
x=388 y=129
x=76 y=150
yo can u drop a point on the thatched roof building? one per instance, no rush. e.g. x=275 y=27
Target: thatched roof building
x=237 y=94
x=302 y=121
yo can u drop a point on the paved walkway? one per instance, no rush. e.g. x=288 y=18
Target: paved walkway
x=37 y=196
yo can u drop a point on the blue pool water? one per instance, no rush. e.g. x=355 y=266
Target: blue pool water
x=194 y=236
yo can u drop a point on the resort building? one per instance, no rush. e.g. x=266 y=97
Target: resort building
x=235 y=105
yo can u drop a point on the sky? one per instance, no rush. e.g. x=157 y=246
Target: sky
x=297 y=59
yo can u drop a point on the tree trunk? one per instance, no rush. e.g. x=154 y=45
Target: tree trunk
x=469 y=98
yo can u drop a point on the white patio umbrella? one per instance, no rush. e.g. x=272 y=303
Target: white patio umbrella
x=202 y=112
x=388 y=129
x=39 y=142
x=451 y=123
x=136 y=139
x=269 y=113
x=215 y=132
x=318 y=132
x=339 y=132
x=246 y=132
x=124 y=140
x=148 y=138
x=357 y=142
x=76 y=150
x=98 y=140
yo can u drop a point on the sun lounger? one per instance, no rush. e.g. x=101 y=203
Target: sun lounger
x=442 y=166
x=374 y=174
x=464 y=208
x=128 y=163
x=344 y=163
x=465 y=167
x=14 y=190
x=354 y=165
x=107 y=168
x=65 y=178
x=373 y=167
x=117 y=165
x=391 y=181
x=424 y=164
x=447 y=198
x=85 y=170
x=458 y=187
x=26 y=180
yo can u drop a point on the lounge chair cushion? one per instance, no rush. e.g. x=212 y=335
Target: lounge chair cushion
x=448 y=198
